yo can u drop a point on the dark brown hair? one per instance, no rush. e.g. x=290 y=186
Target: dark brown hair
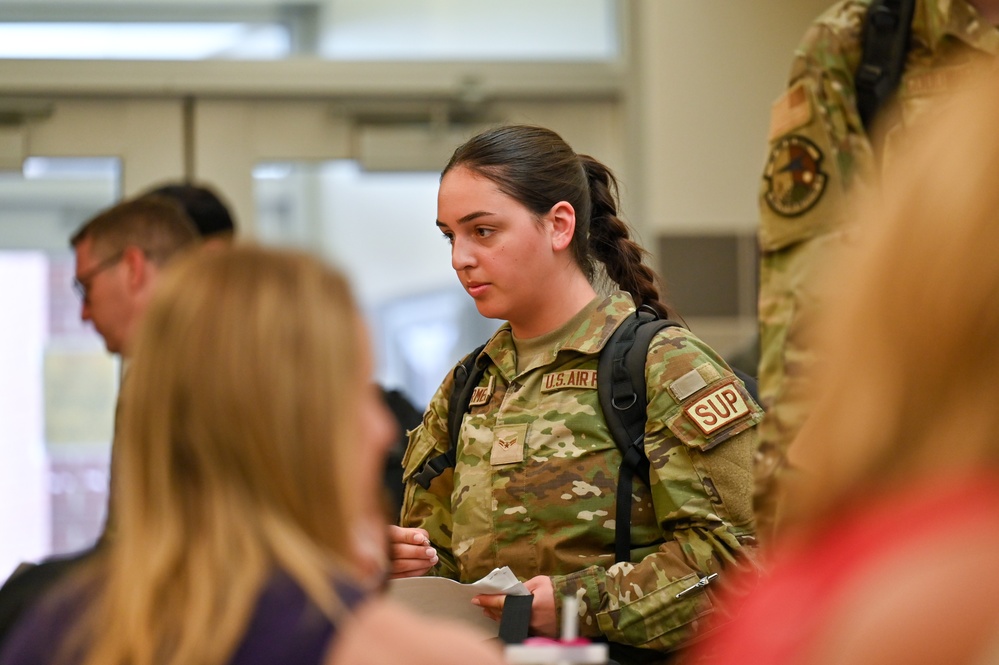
x=537 y=167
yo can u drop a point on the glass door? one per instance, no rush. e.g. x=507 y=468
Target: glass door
x=58 y=386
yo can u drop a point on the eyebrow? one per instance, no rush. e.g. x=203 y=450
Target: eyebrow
x=469 y=217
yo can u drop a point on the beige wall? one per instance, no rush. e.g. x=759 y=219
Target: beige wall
x=708 y=71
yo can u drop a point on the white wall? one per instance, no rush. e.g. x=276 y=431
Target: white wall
x=24 y=505
x=708 y=71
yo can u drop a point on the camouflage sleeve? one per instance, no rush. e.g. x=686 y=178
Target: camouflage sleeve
x=818 y=155
x=430 y=509
x=828 y=57
x=700 y=438
x=817 y=142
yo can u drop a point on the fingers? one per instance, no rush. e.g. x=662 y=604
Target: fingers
x=411 y=552
x=491 y=604
x=406 y=535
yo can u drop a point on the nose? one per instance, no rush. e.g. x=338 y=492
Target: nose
x=462 y=256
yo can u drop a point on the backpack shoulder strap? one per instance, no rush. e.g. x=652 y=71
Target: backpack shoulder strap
x=466 y=376
x=884 y=46
x=621 y=390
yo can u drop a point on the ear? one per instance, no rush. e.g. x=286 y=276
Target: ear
x=563 y=220
x=138 y=266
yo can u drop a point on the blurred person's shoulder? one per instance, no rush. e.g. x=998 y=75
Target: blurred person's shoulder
x=384 y=632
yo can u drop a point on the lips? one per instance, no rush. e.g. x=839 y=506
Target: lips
x=476 y=289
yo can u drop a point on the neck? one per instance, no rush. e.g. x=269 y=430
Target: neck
x=549 y=313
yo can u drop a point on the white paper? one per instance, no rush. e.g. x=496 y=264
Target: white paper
x=447 y=599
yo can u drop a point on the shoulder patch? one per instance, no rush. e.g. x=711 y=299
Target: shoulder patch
x=718 y=408
x=790 y=112
x=795 y=180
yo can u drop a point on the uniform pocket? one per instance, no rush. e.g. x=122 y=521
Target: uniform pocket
x=422 y=447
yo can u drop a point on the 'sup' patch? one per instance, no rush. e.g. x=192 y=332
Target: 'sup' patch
x=718 y=408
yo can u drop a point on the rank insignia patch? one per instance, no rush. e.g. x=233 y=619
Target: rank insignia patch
x=795 y=181
x=508 y=444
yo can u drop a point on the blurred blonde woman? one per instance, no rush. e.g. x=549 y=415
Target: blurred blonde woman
x=889 y=556
x=248 y=476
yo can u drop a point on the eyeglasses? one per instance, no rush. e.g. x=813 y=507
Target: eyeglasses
x=82 y=284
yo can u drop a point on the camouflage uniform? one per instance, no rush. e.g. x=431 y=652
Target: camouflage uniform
x=819 y=154
x=549 y=509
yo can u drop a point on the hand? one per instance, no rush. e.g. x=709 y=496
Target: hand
x=411 y=552
x=544 y=618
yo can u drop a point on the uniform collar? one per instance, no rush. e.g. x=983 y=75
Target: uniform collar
x=589 y=338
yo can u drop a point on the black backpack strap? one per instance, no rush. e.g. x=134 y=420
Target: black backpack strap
x=466 y=377
x=752 y=385
x=884 y=44
x=621 y=389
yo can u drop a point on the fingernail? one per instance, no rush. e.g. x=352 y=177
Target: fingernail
x=475 y=601
x=431 y=553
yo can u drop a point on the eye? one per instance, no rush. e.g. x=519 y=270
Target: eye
x=483 y=231
x=448 y=237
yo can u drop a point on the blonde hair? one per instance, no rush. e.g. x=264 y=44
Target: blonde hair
x=909 y=381
x=233 y=456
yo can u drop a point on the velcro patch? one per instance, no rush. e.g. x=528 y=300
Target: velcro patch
x=572 y=378
x=687 y=385
x=709 y=373
x=790 y=112
x=481 y=394
x=718 y=408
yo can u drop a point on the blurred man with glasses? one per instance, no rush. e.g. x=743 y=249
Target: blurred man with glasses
x=119 y=255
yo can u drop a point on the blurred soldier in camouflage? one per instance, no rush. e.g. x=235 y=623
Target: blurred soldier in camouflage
x=820 y=154
x=534 y=483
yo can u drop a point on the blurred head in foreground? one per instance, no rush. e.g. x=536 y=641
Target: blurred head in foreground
x=251 y=442
x=908 y=385
x=894 y=519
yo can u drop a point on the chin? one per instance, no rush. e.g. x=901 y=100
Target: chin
x=490 y=312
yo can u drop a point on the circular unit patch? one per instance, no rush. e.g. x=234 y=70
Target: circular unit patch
x=795 y=181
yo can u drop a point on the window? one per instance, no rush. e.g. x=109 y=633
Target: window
x=346 y=30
